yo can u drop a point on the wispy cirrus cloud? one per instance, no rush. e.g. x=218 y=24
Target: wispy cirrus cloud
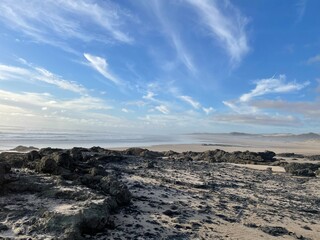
x=35 y=73
x=190 y=101
x=100 y=64
x=301 y=9
x=163 y=109
x=258 y=119
x=195 y=104
x=53 y=22
x=226 y=25
x=182 y=53
x=272 y=85
x=247 y=110
x=315 y=59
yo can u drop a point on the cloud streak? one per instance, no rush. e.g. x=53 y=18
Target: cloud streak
x=33 y=73
x=227 y=27
x=272 y=85
x=183 y=54
x=53 y=22
x=100 y=64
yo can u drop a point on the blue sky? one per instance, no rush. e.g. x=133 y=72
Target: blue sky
x=160 y=66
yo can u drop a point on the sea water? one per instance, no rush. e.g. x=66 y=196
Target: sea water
x=12 y=137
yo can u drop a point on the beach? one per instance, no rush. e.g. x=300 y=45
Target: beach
x=210 y=189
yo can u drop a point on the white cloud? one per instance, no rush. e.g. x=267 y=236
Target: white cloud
x=190 y=101
x=163 y=109
x=228 y=27
x=315 y=59
x=183 y=54
x=208 y=110
x=40 y=74
x=124 y=110
x=258 y=119
x=150 y=96
x=301 y=9
x=272 y=85
x=52 y=22
x=310 y=110
x=101 y=65
x=32 y=101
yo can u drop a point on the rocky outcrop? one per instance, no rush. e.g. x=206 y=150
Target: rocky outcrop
x=290 y=155
x=64 y=209
x=302 y=169
x=234 y=157
x=4 y=169
x=140 y=152
x=118 y=190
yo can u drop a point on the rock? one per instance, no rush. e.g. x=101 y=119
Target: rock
x=170 y=213
x=23 y=148
x=3 y=227
x=47 y=165
x=275 y=231
x=141 y=152
x=77 y=153
x=119 y=190
x=302 y=169
x=2 y=174
x=16 y=160
x=150 y=164
x=48 y=151
x=291 y=155
x=33 y=156
x=63 y=160
x=97 y=171
x=4 y=169
x=314 y=157
x=170 y=153
x=94 y=218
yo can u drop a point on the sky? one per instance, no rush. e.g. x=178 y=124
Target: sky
x=160 y=66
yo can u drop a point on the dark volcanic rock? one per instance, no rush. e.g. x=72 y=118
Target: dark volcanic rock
x=77 y=153
x=63 y=160
x=33 y=156
x=119 y=190
x=275 y=231
x=236 y=157
x=47 y=165
x=140 y=152
x=302 y=169
x=292 y=155
x=314 y=157
x=16 y=160
x=48 y=151
x=4 y=169
x=23 y=148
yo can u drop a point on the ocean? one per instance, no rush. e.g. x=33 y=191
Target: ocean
x=11 y=138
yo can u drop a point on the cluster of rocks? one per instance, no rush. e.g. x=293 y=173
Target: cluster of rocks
x=303 y=169
x=217 y=155
x=92 y=192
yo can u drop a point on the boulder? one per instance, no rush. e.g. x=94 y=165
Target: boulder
x=47 y=165
x=16 y=160
x=2 y=173
x=33 y=156
x=302 y=169
x=141 y=152
x=48 y=151
x=77 y=153
x=117 y=189
x=63 y=160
